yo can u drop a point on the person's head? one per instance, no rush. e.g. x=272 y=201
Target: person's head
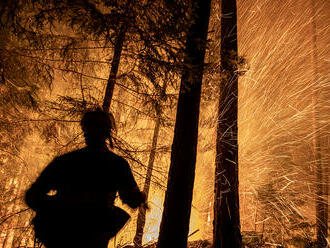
x=96 y=125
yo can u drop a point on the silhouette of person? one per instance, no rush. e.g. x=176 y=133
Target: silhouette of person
x=74 y=196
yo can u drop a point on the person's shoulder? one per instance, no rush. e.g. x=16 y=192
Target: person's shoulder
x=70 y=155
x=113 y=156
x=117 y=160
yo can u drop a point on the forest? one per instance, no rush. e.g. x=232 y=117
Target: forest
x=221 y=108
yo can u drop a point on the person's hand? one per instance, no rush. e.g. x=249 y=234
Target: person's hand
x=145 y=206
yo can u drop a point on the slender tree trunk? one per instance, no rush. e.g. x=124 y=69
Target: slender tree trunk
x=321 y=182
x=174 y=226
x=119 y=42
x=226 y=231
x=119 y=108
x=141 y=219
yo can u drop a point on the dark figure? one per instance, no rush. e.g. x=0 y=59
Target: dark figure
x=73 y=197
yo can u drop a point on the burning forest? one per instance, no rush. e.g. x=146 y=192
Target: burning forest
x=220 y=108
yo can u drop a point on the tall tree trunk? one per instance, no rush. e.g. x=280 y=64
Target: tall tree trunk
x=141 y=219
x=226 y=232
x=321 y=184
x=174 y=226
x=119 y=42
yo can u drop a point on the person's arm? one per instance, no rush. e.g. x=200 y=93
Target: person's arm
x=37 y=196
x=129 y=191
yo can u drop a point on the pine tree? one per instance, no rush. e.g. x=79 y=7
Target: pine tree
x=321 y=175
x=226 y=231
x=177 y=205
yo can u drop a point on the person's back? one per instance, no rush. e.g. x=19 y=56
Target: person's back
x=74 y=196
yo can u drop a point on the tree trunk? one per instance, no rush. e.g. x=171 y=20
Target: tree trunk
x=119 y=42
x=226 y=232
x=321 y=182
x=141 y=219
x=174 y=226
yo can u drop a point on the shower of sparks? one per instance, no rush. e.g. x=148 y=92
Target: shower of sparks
x=275 y=120
x=276 y=109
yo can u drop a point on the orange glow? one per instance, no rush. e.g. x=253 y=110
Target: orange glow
x=276 y=109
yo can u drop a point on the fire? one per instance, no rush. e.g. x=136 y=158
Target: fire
x=277 y=182
x=153 y=217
